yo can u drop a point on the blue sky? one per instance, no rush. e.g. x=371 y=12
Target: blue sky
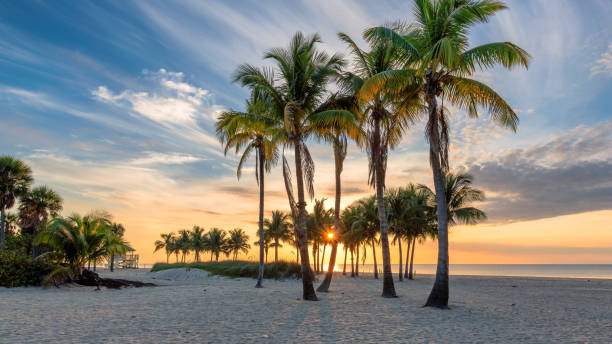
x=113 y=104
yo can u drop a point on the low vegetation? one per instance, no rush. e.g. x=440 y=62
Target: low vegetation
x=281 y=269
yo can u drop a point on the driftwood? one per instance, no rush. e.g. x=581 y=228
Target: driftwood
x=92 y=279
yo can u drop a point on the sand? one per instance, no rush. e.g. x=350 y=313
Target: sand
x=195 y=307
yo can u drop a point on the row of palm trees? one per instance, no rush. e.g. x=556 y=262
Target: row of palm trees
x=411 y=217
x=406 y=74
x=216 y=241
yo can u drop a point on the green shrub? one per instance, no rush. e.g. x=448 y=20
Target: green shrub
x=278 y=270
x=17 y=270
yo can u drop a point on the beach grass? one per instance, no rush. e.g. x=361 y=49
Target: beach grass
x=282 y=269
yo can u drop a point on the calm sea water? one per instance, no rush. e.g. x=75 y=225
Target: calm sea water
x=525 y=270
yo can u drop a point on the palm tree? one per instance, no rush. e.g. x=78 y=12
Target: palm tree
x=118 y=230
x=184 y=242
x=36 y=208
x=78 y=240
x=293 y=97
x=166 y=242
x=349 y=236
x=387 y=112
x=278 y=228
x=338 y=137
x=15 y=179
x=197 y=241
x=238 y=241
x=438 y=57
x=368 y=225
x=216 y=242
x=318 y=230
x=253 y=131
x=267 y=241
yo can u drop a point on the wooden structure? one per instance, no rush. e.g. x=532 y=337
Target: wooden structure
x=129 y=260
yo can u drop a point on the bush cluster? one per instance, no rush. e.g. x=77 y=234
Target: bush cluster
x=18 y=270
x=278 y=270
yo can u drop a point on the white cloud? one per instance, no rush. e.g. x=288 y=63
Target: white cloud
x=174 y=104
x=603 y=65
x=162 y=158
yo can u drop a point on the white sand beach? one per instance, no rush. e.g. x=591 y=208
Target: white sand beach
x=194 y=307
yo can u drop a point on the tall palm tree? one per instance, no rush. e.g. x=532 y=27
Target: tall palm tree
x=216 y=242
x=438 y=57
x=238 y=241
x=15 y=179
x=338 y=137
x=36 y=208
x=251 y=130
x=118 y=230
x=293 y=97
x=387 y=112
x=166 y=242
x=197 y=239
x=278 y=228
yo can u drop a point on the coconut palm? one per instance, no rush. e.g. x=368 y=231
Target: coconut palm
x=251 y=130
x=166 y=243
x=216 y=242
x=294 y=90
x=267 y=242
x=387 y=112
x=349 y=237
x=438 y=56
x=118 y=230
x=15 y=179
x=338 y=137
x=36 y=208
x=197 y=240
x=367 y=226
x=278 y=229
x=184 y=243
x=238 y=241
x=319 y=229
x=77 y=240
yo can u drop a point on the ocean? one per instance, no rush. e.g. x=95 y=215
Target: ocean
x=525 y=270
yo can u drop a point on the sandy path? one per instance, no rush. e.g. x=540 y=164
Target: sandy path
x=214 y=309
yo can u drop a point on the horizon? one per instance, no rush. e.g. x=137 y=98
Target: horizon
x=115 y=110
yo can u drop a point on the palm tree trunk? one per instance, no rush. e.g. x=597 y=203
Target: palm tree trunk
x=375 y=264
x=352 y=265
x=438 y=296
x=167 y=258
x=275 y=250
x=260 y=274
x=399 y=244
x=112 y=263
x=322 y=265
x=357 y=261
x=407 y=257
x=345 y=254
x=410 y=276
x=388 y=286
x=308 y=292
x=2 y=220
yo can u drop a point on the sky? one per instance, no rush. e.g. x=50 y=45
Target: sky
x=113 y=105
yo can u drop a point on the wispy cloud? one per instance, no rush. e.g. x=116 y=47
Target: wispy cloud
x=603 y=65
